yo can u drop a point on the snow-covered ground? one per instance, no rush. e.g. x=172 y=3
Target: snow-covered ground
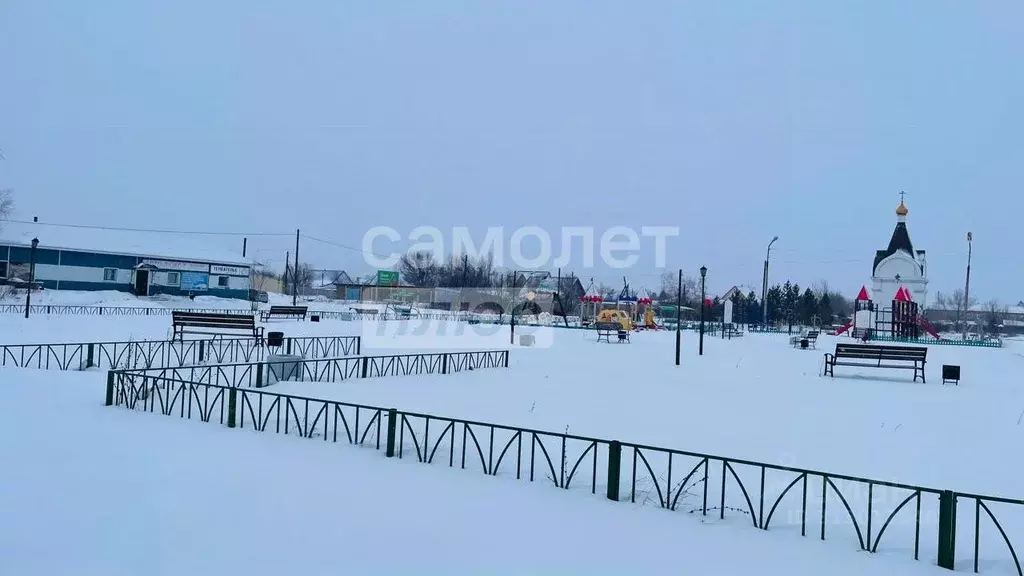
x=107 y=491
x=752 y=398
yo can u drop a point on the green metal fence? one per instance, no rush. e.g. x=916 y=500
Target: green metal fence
x=992 y=343
x=869 y=514
x=169 y=353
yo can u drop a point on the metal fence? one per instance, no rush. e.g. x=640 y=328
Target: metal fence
x=872 y=515
x=989 y=343
x=169 y=353
x=72 y=310
x=263 y=373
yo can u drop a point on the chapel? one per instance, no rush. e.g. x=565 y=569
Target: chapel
x=900 y=265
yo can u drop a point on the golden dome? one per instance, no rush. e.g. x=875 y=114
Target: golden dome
x=901 y=210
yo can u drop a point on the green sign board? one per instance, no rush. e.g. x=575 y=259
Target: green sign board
x=387 y=278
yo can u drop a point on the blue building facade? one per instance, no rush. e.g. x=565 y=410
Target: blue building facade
x=72 y=269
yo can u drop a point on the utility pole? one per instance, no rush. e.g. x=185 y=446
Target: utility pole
x=967 y=287
x=245 y=241
x=295 y=271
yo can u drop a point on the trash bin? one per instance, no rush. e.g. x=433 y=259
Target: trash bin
x=275 y=339
x=283 y=367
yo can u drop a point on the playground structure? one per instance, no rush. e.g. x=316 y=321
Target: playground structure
x=645 y=311
x=614 y=316
x=589 y=303
x=626 y=302
x=903 y=320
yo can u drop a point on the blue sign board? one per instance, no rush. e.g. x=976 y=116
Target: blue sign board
x=195 y=281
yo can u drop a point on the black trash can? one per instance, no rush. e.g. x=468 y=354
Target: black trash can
x=275 y=339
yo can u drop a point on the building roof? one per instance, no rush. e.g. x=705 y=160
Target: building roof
x=571 y=285
x=900 y=241
x=331 y=278
x=205 y=249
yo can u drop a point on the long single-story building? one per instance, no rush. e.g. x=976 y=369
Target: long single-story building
x=141 y=263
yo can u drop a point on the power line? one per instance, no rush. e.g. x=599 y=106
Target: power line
x=344 y=246
x=152 y=230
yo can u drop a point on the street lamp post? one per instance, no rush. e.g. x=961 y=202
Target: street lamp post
x=967 y=287
x=679 y=307
x=512 y=321
x=31 y=275
x=703 y=274
x=764 y=285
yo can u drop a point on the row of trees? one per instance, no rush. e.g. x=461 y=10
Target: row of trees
x=966 y=310
x=787 y=303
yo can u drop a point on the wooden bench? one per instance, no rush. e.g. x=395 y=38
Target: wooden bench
x=877 y=356
x=811 y=336
x=606 y=329
x=731 y=331
x=286 y=311
x=214 y=323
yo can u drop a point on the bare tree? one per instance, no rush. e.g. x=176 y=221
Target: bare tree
x=6 y=203
x=301 y=276
x=304 y=275
x=419 y=269
x=955 y=302
x=840 y=305
x=994 y=315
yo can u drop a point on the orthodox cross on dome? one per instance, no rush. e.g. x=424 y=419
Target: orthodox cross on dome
x=897 y=277
x=902 y=194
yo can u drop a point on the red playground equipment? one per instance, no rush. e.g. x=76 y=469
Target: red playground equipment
x=903 y=321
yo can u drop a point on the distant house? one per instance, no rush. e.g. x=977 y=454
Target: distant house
x=267 y=282
x=544 y=288
x=734 y=291
x=141 y=263
x=329 y=283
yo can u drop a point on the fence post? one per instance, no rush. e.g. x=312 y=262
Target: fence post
x=366 y=365
x=614 y=469
x=110 y=389
x=506 y=358
x=392 y=428
x=232 y=396
x=259 y=375
x=444 y=363
x=201 y=346
x=947 y=529
x=89 y=356
x=288 y=345
x=359 y=345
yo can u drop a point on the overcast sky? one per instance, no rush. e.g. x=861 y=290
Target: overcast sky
x=734 y=120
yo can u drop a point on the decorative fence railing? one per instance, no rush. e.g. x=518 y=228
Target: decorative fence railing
x=169 y=353
x=264 y=373
x=872 y=515
x=758 y=329
x=161 y=311
x=991 y=343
